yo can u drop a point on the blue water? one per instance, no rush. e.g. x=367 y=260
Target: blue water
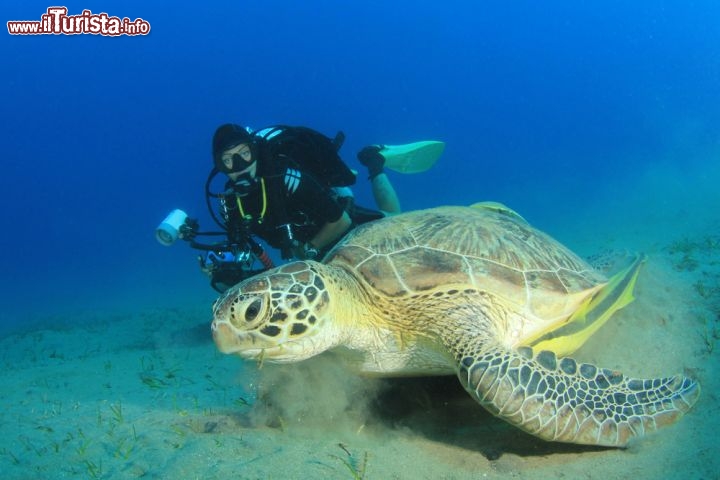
x=539 y=104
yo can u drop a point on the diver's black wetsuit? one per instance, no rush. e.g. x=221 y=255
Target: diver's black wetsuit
x=292 y=198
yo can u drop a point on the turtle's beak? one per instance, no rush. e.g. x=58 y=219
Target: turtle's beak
x=224 y=337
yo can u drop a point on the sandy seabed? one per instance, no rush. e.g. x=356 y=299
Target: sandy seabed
x=146 y=395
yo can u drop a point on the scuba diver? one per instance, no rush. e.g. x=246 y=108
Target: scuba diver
x=288 y=186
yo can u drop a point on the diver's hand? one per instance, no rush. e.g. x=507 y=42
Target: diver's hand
x=205 y=267
x=188 y=230
x=371 y=157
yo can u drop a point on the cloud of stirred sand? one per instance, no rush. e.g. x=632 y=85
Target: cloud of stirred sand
x=316 y=393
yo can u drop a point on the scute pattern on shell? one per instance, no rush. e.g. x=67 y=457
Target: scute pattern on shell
x=455 y=245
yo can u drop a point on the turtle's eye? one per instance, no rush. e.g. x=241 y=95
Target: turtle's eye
x=253 y=310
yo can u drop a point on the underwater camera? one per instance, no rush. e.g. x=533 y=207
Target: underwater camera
x=170 y=228
x=227 y=262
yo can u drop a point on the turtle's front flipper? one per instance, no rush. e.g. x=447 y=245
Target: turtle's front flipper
x=561 y=400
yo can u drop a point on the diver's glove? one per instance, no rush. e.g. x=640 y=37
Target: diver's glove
x=370 y=157
x=213 y=260
x=189 y=229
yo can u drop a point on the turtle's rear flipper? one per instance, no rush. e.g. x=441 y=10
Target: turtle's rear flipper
x=592 y=314
x=563 y=401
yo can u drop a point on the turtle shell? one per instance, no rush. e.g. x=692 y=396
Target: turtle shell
x=486 y=249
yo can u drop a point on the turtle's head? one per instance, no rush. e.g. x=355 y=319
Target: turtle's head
x=280 y=315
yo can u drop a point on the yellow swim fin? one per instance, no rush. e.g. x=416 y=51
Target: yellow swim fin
x=412 y=157
x=592 y=314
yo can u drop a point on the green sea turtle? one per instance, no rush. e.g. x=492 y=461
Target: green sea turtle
x=474 y=291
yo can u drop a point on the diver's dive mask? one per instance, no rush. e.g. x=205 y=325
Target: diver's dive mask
x=236 y=158
x=230 y=139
